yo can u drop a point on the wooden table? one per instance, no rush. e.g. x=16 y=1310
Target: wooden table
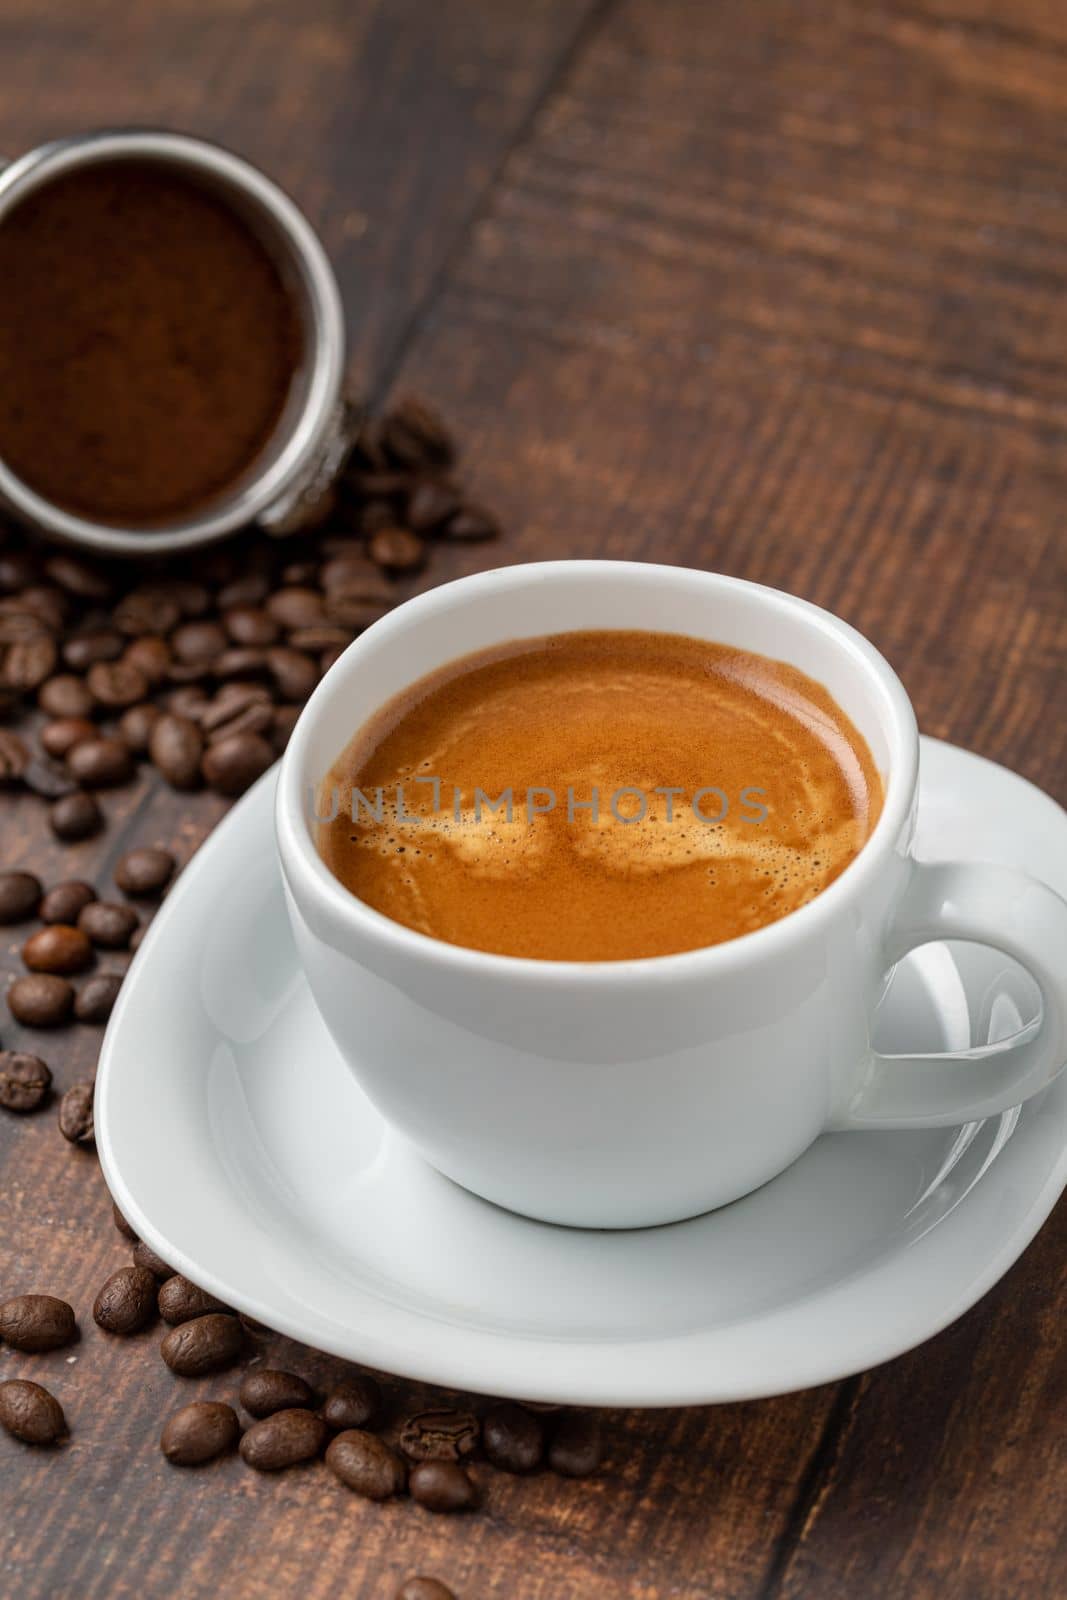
x=774 y=288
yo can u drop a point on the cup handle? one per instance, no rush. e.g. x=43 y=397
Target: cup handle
x=1022 y=918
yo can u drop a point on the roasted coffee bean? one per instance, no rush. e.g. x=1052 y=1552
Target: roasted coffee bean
x=198 y=643
x=101 y=763
x=240 y=661
x=324 y=637
x=175 y=745
x=96 y=998
x=188 y=701
x=40 y=1000
x=250 y=625
x=137 y=937
x=144 y=871
x=575 y=1448
x=146 y=610
x=295 y=673
x=300 y=574
x=471 y=525
x=442 y=1486
x=145 y=1256
x=58 y=738
x=413 y=436
x=249 y=590
x=19 y=624
x=295 y=607
x=78 y=577
x=256 y=717
x=194 y=599
x=65 y=696
x=136 y=724
x=149 y=655
x=25 y=665
x=398 y=549
x=180 y=1301
x=440 y=1435
x=356 y=1403
x=365 y=1463
x=49 y=779
x=431 y=504
x=17 y=569
x=205 y=1344
x=66 y=901
x=48 y=603
x=117 y=685
x=20 y=894
x=75 y=816
x=84 y=649
x=199 y=1432
x=230 y=701
x=231 y=764
x=30 y=1413
x=127 y=1302
x=76 y=1113
x=14 y=758
x=107 y=923
x=357 y=578
x=282 y=1440
x=354 y=614
x=514 y=1439
x=420 y=1588
x=122 y=1225
x=58 y=948
x=36 y=1322
x=25 y=1081
x=265 y=1390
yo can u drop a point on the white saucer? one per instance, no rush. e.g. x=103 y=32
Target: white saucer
x=239 y=1146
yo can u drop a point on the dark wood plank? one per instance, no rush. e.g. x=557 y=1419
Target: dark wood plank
x=774 y=290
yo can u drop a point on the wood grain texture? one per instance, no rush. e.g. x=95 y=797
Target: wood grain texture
x=776 y=290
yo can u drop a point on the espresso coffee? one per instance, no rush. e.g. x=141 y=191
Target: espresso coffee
x=599 y=796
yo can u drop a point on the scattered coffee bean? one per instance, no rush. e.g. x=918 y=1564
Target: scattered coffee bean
x=233 y=763
x=145 y=871
x=49 y=779
x=285 y=720
x=127 y=1302
x=205 y=1344
x=36 y=1322
x=83 y=649
x=102 y=763
x=145 y=1256
x=146 y=609
x=356 y=1403
x=136 y=724
x=65 y=902
x=414 y=436
x=58 y=948
x=108 y=923
x=295 y=607
x=41 y=1000
x=20 y=894
x=198 y=643
x=442 y=1486
x=78 y=577
x=65 y=696
x=25 y=1081
x=199 y=1432
x=514 y=1439
x=96 y=998
x=117 y=685
x=76 y=1114
x=265 y=1390
x=283 y=1439
x=366 y=1464
x=75 y=816
x=471 y=525
x=58 y=738
x=25 y=664
x=420 y=1588
x=575 y=1449
x=295 y=673
x=175 y=745
x=30 y=1413
x=398 y=549
x=14 y=757
x=440 y=1435
x=431 y=504
x=122 y=1225
x=249 y=625
x=151 y=656
x=180 y=1301
x=137 y=936
x=357 y=578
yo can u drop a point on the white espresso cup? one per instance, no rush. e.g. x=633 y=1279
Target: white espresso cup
x=618 y=1094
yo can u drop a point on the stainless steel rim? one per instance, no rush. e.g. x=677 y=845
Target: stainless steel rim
x=301 y=449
